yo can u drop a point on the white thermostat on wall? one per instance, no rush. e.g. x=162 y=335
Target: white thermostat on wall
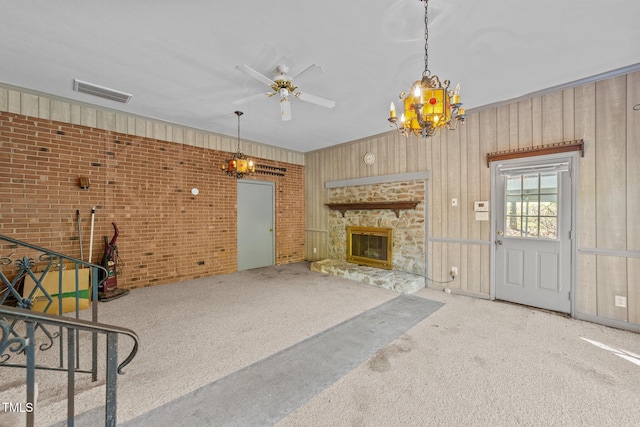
x=369 y=158
x=481 y=206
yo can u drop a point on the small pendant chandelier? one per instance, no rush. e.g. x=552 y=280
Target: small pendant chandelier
x=430 y=104
x=239 y=165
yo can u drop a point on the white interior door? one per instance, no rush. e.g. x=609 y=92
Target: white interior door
x=255 y=224
x=533 y=250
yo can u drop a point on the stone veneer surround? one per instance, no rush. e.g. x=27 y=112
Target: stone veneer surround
x=409 y=228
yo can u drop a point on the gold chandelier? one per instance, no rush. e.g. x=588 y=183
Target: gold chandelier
x=238 y=165
x=430 y=104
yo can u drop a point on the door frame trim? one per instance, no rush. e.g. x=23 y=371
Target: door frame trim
x=574 y=170
x=273 y=217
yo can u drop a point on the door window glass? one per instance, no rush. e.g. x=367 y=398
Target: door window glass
x=532 y=205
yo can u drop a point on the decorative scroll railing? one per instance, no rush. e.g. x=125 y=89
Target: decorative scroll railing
x=34 y=277
x=25 y=343
x=43 y=295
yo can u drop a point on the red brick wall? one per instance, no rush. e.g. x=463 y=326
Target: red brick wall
x=144 y=186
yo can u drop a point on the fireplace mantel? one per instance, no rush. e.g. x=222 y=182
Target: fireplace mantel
x=358 y=206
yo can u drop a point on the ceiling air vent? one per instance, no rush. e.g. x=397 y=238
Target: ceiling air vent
x=101 y=91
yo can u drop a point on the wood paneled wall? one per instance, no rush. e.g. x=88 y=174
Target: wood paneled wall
x=20 y=101
x=600 y=112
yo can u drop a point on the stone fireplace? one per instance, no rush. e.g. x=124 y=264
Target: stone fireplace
x=370 y=246
x=395 y=204
x=407 y=237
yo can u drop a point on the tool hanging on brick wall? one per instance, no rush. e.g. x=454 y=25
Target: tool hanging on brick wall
x=93 y=216
x=108 y=289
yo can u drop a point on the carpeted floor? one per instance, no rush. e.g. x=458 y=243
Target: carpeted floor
x=462 y=362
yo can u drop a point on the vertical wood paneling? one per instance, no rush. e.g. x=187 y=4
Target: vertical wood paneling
x=401 y=155
x=29 y=104
x=4 y=99
x=527 y=122
x=107 y=120
x=412 y=155
x=466 y=206
x=452 y=168
x=587 y=298
x=436 y=191
x=476 y=162
x=633 y=292
x=568 y=116
x=61 y=112
x=536 y=124
x=44 y=107
x=633 y=164
x=14 y=101
x=612 y=280
x=585 y=126
x=485 y=272
x=552 y=120
x=611 y=164
x=88 y=117
x=440 y=140
x=611 y=192
x=503 y=128
x=488 y=144
x=456 y=161
x=514 y=129
x=584 y=123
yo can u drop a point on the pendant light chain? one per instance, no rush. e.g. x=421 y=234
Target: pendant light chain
x=426 y=72
x=238 y=113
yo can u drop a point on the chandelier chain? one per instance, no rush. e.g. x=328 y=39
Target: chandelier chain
x=426 y=72
x=238 y=113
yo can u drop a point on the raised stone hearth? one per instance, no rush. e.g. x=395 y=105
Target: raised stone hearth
x=396 y=205
x=394 y=280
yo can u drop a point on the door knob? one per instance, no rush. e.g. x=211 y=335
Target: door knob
x=498 y=242
x=270 y=230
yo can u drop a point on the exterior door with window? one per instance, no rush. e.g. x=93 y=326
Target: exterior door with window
x=533 y=250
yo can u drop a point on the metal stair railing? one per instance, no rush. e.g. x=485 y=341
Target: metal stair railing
x=48 y=278
x=12 y=341
x=48 y=291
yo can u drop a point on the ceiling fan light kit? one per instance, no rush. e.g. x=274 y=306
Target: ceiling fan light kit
x=430 y=104
x=283 y=86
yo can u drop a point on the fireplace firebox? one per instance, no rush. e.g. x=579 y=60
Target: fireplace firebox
x=370 y=246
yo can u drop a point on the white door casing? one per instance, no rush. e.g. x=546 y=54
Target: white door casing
x=533 y=219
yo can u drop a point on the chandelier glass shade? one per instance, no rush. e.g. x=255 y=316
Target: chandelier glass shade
x=238 y=165
x=430 y=104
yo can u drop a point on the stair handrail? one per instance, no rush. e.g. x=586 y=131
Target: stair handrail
x=96 y=272
x=27 y=344
x=58 y=254
x=70 y=322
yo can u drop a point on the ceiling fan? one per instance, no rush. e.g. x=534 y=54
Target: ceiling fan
x=282 y=84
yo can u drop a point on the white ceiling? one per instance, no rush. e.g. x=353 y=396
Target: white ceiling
x=178 y=58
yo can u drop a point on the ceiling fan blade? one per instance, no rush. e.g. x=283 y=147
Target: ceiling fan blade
x=310 y=72
x=256 y=75
x=251 y=98
x=314 y=99
x=285 y=109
